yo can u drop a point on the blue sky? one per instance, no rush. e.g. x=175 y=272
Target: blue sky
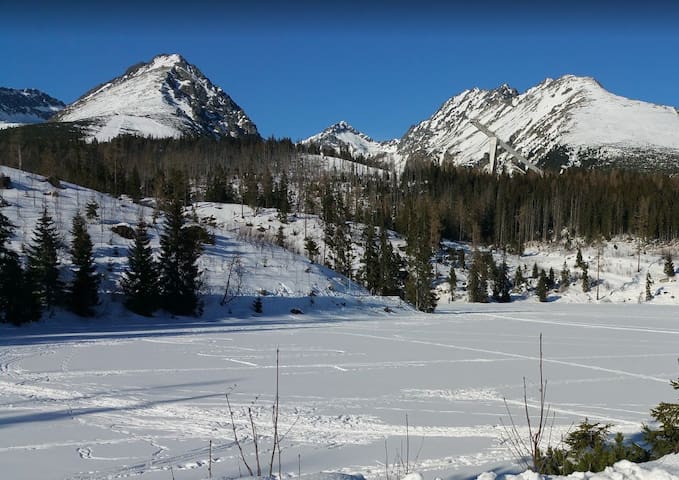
x=298 y=66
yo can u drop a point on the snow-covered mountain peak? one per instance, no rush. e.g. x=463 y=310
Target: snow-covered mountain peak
x=28 y=105
x=571 y=115
x=165 y=97
x=342 y=137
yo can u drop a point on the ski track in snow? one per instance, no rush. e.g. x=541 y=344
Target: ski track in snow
x=148 y=403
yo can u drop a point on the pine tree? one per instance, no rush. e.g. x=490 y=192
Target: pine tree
x=83 y=290
x=452 y=281
x=565 y=278
x=649 y=283
x=140 y=280
x=551 y=281
x=502 y=284
x=92 y=210
x=535 y=273
x=541 y=289
x=519 y=279
x=578 y=259
x=585 y=279
x=418 y=288
x=669 y=265
x=371 y=262
x=389 y=267
x=43 y=261
x=665 y=439
x=19 y=302
x=311 y=248
x=477 y=286
x=179 y=277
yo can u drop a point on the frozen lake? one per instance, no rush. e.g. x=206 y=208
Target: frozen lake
x=137 y=400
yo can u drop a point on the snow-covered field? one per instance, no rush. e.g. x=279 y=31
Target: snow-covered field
x=123 y=398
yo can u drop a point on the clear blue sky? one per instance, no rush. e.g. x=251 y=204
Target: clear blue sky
x=298 y=66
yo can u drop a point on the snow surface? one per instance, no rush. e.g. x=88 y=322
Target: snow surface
x=118 y=396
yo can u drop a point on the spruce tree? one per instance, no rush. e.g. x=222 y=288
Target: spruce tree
x=179 y=277
x=503 y=284
x=565 y=278
x=578 y=259
x=389 y=265
x=140 y=280
x=43 y=261
x=311 y=248
x=664 y=439
x=19 y=302
x=83 y=291
x=551 y=280
x=541 y=289
x=669 y=265
x=371 y=264
x=477 y=286
x=585 y=279
x=649 y=283
x=535 y=273
x=452 y=281
x=418 y=288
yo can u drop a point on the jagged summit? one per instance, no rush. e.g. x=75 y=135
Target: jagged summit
x=572 y=116
x=165 y=97
x=342 y=137
x=27 y=105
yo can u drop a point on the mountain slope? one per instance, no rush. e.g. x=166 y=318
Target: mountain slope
x=570 y=120
x=342 y=137
x=27 y=105
x=167 y=97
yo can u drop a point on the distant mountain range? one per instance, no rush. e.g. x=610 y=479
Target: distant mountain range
x=559 y=123
x=18 y=107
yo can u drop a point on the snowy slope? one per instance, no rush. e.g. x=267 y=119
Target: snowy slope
x=572 y=112
x=343 y=137
x=19 y=107
x=167 y=97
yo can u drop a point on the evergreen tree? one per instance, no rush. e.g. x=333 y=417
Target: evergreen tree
x=390 y=266
x=418 y=288
x=519 y=280
x=83 y=290
x=452 y=281
x=477 y=286
x=578 y=259
x=140 y=280
x=535 y=273
x=669 y=265
x=43 y=261
x=18 y=301
x=179 y=277
x=280 y=237
x=665 y=439
x=541 y=289
x=502 y=283
x=371 y=262
x=585 y=279
x=649 y=283
x=461 y=259
x=551 y=280
x=311 y=248
x=565 y=278
x=342 y=250
x=92 y=210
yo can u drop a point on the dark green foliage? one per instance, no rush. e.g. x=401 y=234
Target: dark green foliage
x=5 y=181
x=535 y=272
x=585 y=279
x=257 y=305
x=18 y=301
x=461 y=259
x=179 y=277
x=551 y=280
x=199 y=234
x=589 y=449
x=669 y=265
x=389 y=267
x=43 y=261
x=419 y=284
x=140 y=279
x=541 y=288
x=665 y=438
x=83 y=290
x=452 y=281
x=92 y=211
x=124 y=231
x=579 y=263
x=565 y=279
x=477 y=283
x=311 y=248
x=501 y=283
x=370 y=272
x=280 y=237
x=519 y=280
x=649 y=284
